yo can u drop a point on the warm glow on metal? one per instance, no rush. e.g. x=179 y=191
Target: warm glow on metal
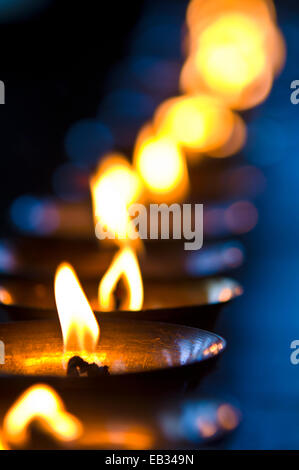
x=162 y=166
x=40 y=403
x=199 y=123
x=80 y=329
x=120 y=436
x=124 y=265
x=114 y=187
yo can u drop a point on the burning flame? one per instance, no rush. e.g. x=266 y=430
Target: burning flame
x=162 y=166
x=41 y=403
x=80 y=329
x=125 y=264
x=114 y=187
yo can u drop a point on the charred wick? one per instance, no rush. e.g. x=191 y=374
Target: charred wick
x=77 y=367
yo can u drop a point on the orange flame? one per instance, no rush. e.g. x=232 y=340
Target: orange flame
x=42 y=404
x=161 y=165
x=114 y=187
x=235 y=49
x=125 y=264
x=80 y=329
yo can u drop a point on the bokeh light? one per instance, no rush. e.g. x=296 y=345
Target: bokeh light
x=230 y=54
x=161 y=165
x=198 y=123
x=87 y=140
x=202 y=420
x=114 y=187
x=230 y=218
x=215 y=259
x=241 y=217
x=8 y=257
x=34 y=216
x=234 y=50
x=227 y=417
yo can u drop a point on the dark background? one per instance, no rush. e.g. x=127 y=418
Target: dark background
x=55 y=66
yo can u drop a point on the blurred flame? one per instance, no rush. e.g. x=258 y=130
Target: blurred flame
x=114 y=187
x=230 y=53
x=124 y=265
x=199 y=123
x=80 y=329
x=40 y=402
x=5 y=296
x=199 y=12
x=235 y=49
x=162 y=165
